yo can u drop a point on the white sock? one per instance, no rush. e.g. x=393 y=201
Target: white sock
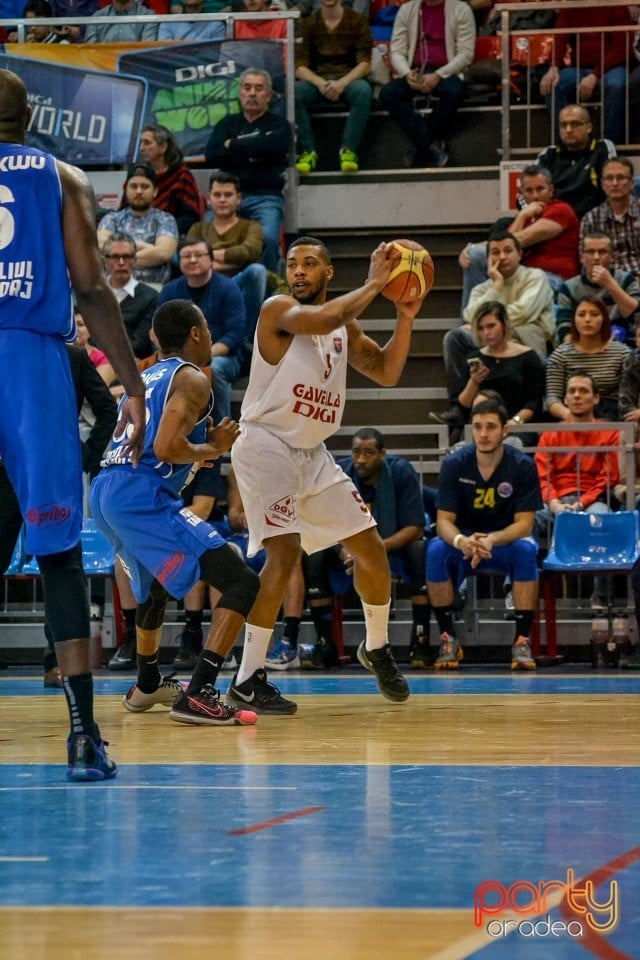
x=377 y=625
x=256 y=644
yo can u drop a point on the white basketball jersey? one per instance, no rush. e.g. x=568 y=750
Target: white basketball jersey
x=302 y=398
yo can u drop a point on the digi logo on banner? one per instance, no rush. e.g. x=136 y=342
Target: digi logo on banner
x=192 y=86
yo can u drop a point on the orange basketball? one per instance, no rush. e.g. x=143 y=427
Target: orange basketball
x=412 y=278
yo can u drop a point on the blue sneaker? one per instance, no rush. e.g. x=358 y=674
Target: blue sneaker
x=284 y=656
x=88 y=760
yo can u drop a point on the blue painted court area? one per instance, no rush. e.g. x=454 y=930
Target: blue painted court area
x=358 y=682
x=160 y=835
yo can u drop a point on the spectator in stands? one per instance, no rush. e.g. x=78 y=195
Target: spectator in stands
x=122 y=32
x=34 y=10
x=528 y=299
x=255 y=144
x=575 y=480
x=598 y=59
x=589 y=348
x=333 y=59
x=619 y=215
x=176 y=189
x=484 y=523
x=137 y=300
x=431 y=44
x=546 y=228
x=619 y=290
x=98 y=358
x=391 y=488
x=236 y=243
x=64 y=9
x=272 y=29
x=174 y=29
x=576 y=163
x=155 y=232
x=221 y=303
x=512 y=369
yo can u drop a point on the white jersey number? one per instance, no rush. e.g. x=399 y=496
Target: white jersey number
x=7 y=223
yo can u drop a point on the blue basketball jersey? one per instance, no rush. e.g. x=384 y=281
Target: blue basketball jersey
x=35 y=289
x=158 y=380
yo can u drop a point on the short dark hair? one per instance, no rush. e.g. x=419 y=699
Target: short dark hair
x=14 y=105
x=537 y=170
x=495 y=235
x=488 y=394
x=369 y=433
x=40 y=8
x=596 y=235
x=584 y=375
x=221 y=176
x=172 y=322
x=192 y=241
x=490 y=406
x=605 y=330
x=623 y=160
x=311 y=242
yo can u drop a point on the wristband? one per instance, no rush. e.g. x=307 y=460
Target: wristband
x=457 y=537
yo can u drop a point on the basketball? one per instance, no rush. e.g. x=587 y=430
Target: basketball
x=412 y=278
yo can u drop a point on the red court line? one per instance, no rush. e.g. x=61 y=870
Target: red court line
x=591 y=940
x=305 y=812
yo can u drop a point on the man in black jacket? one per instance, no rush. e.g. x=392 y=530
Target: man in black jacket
x=255 y=144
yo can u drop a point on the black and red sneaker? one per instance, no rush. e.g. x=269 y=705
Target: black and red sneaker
x=206 y=708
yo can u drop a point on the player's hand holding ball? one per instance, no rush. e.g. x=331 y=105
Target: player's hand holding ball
x=411 y=278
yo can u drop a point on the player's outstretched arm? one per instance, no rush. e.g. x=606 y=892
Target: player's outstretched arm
x=383 y=365
x=184 y=408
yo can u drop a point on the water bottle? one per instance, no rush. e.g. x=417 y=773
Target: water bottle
x=599 y=641
x=621 y=638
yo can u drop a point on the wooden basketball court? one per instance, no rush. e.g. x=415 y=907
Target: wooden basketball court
x=355 y=829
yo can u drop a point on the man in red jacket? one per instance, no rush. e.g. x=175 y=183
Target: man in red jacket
x=575 y=480
x=595 y=58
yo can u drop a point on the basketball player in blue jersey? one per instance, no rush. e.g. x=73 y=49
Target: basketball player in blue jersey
x=47 y=244
x=488 y=493
x=164 y=547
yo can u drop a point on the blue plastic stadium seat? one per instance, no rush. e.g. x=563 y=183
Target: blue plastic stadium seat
x=98 y=557
x=594 y=541
x=18 y=557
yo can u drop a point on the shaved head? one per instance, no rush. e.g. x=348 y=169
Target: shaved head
x=14 y=107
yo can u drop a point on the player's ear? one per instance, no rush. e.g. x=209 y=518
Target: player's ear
x=330 y=272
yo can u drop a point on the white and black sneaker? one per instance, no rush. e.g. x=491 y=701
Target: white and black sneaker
x=259 y=695
x=137 y=702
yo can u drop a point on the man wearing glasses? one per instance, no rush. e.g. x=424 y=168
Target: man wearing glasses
x=137 y=300
x=576 y=162
x=618 y=216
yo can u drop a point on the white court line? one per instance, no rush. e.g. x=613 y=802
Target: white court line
x=73 y=786
x=24 y=859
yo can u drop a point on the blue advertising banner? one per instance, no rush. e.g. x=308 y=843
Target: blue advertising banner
x=91 y=101
x=81 y=116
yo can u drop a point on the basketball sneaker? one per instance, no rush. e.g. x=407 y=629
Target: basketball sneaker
x=258 y=694
x=521 y=657
x=125 y=656
x=284 y=656
x=87 y=759
x=190 y=647
x=391 y=683
x=207 y=709
x=419 y=650
x=137 y=702
x=450 y=653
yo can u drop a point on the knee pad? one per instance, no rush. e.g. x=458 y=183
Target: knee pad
x=66 y=598
x=150 y=614
x=228 y=573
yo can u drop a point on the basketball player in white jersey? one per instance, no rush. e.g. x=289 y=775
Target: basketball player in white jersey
x=294 y=494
